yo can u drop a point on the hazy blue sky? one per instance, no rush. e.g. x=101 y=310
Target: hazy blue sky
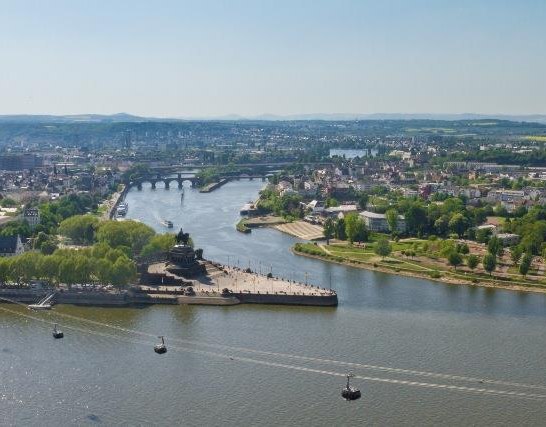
x=206 y=58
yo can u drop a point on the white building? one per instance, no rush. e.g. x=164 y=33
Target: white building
x=378 y=222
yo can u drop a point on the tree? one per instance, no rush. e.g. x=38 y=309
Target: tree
x=525 y=264
x=441 y=225
x=340 y=229
x=383 y=248
x=416 y=218
x=103 y=271
x=66 y=272
x=363 y=201
x=123 y=272
x=472 y=261
x=458 y=224
x=79 y=228
x=494 y=246
x=361 y=232
x=483 y=235
x=132 y=234
x=4 y=269
x=515 y=254
x=49 y=267
x=25 y=266
x=329 y=229
x=331 y=202
x=455 y=259
x=489 y=263
x=160 y=243
x=463 y=248
x=392 y=220
x=352 y=227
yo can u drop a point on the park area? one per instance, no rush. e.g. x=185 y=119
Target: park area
x=433 y=259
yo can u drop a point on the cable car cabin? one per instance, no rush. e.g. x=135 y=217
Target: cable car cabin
x=57 y=333
x=349 y=392
x=161 y=348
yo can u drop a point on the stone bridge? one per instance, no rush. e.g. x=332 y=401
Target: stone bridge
x=167 y=180
x=181 y=177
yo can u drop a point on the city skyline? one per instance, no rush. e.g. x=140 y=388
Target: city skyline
x=214 y=59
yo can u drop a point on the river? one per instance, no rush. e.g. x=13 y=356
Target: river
x=259 y=365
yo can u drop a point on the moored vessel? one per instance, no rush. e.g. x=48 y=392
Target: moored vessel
x=122 y=209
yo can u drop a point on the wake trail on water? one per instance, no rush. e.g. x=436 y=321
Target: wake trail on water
x=461 y=388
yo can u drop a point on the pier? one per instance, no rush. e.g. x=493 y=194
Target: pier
x=213 y=186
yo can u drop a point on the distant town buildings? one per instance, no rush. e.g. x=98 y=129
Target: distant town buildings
x=20 y=162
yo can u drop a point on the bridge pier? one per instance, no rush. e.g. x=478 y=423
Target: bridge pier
x=153 y=185
x=180 y=185
x=167 y=184
x=139 y=186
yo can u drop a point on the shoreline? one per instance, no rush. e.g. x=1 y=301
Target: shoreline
x=444 y=280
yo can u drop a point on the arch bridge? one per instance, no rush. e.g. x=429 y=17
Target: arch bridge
x=167 y=180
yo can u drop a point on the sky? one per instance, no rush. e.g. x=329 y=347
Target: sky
x=212 y=58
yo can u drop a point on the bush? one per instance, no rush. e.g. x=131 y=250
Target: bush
x=435 y=274
x=308 y=249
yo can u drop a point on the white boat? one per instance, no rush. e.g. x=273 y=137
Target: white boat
x=122 y=209
x=167 y=223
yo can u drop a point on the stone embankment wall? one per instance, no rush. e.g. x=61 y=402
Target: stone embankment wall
x=315 y=300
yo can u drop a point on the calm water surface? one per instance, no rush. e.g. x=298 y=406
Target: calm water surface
x=220 y=368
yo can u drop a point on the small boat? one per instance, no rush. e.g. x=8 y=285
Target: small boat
x=161 y=348
x=57 y=333
x=349 y=392
x=167 y=223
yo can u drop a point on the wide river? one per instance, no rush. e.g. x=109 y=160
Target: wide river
x=423 y=353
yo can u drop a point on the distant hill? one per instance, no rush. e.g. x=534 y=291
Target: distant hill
x=85 y=118
x=128 y=118
x=535 y=118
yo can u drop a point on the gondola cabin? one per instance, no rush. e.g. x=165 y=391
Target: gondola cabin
x=161 y=348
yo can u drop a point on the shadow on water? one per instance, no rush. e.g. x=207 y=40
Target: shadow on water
x=94 y=418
